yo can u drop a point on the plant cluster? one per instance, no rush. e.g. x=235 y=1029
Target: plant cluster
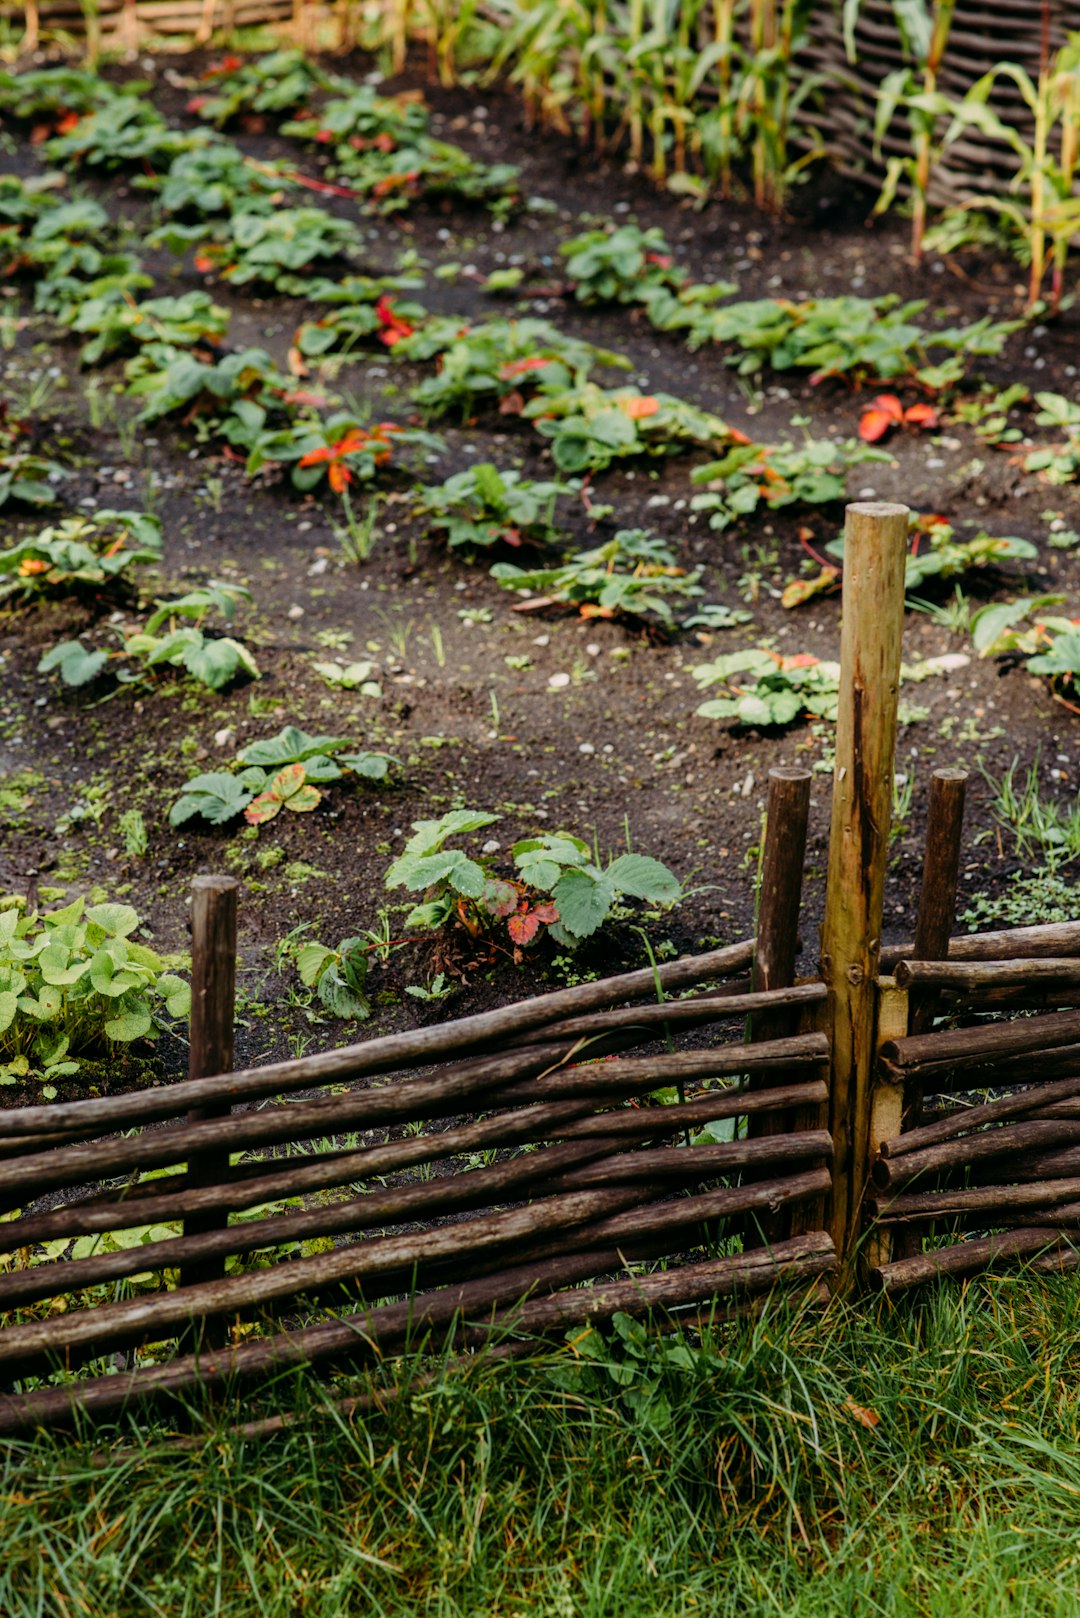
x=632 y=575
x=763 y=689
x=74 y=983
x=1029 y=631
x=559 y=884
x=482 y=506
x=283 y=772
x=774 y=475
x=80 y=554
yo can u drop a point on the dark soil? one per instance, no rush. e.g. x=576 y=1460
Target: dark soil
x=618 y=750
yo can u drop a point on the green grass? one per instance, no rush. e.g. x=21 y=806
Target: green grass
x=915 y=1460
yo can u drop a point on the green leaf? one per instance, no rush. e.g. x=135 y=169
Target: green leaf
x=290 y=746
x=177 y=994
x=119 y=921
x=9 y=1002
x=583 y=901
x=310 y=961
x=133 y=1023
x=644 y=878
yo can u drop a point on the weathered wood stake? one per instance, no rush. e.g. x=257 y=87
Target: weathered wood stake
x=875 y=548
x=213 y=1000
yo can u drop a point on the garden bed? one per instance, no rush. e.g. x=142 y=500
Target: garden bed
x=547 y=719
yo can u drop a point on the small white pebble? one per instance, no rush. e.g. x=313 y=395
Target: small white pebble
x=558 y=682
x=586 y=747
x=295 y=612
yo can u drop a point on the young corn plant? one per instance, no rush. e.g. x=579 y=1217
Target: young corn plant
x=926 y=107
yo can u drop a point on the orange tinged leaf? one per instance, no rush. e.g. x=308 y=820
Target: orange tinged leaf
x=799 y=591
x=875 y=425
x=923 y=416
x=638 y=409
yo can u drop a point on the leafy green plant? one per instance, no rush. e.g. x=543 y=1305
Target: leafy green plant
x=1057 y=463
x=268 y=249
x=338 y=976
x=73 y=983
x=558 y=884
x=238 y=86
x=125 y=132
x=286 y=771
x=775 y=475
x=848 y=336
x=173 y=379
x=361 y=307
x=589 y=426
x=337 y=447
x=765 y=689
x=213 y=661
x=1047 y=642
x=219 y=179
x=937 y=554
x=633 y=575
x=482 y=506
x=25 y=476
x=499 y=359
x=80 y=553
x=117 y=322
x=44 y=95
x=622 y=265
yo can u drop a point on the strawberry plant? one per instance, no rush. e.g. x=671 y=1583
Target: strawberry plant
x=362 y=120
x=263 y=248
x=936 y=553
x=172 y=379
x=620 y=266
x=499 y=359
x=270 y=84
x=632 y=575
x=338 y=976
x=219 y=179
x=337 y=448
x=126 y=132
x=1057 y=463
x=50 y=95
x=211 y=661
x=362 y=307
x=80 y=554
x=774 y=475
x=482 y=507
x=23 y=201
x=589 y=426
x=25 y=476
x=557 y=886
x=765 y=689
x=117 y=322
x=75 y=984
x=847 y=336
x=1047 y=642
x=286 y=771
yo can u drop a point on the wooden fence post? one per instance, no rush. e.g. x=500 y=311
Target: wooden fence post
x=776 y=945
x=213 y=994
x=875 y=549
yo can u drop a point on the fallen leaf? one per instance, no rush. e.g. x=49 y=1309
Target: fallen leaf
x=866 y=1418
x=799 y=591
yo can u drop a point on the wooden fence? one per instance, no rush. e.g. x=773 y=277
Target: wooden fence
x=513 y=1173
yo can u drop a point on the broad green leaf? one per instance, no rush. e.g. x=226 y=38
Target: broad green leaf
x=131 y=1024
x=117 y=920
x=583 y=902
x=310 y=961
x=644 y=878
x=9 y=1001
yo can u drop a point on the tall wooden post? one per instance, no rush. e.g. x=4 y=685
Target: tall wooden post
x=875 y=548
x=213 y=994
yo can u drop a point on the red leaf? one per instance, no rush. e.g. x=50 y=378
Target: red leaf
x=641 y=407
x=545 y=912
x=923 y=416
x=524 y=926
x=891 y=406
x=875 y=425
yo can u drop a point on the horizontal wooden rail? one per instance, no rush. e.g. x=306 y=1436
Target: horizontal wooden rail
x=375 y=1056
x=157 y=1201
x=1007 y=1141
x=922 y=1207
x=1014 y=944
x=968 y=1119
x=968 y=1258
x=75 y=1165
x=500 y=1301
x=600 y=1216
x=970 y=976
x=964 y=1049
